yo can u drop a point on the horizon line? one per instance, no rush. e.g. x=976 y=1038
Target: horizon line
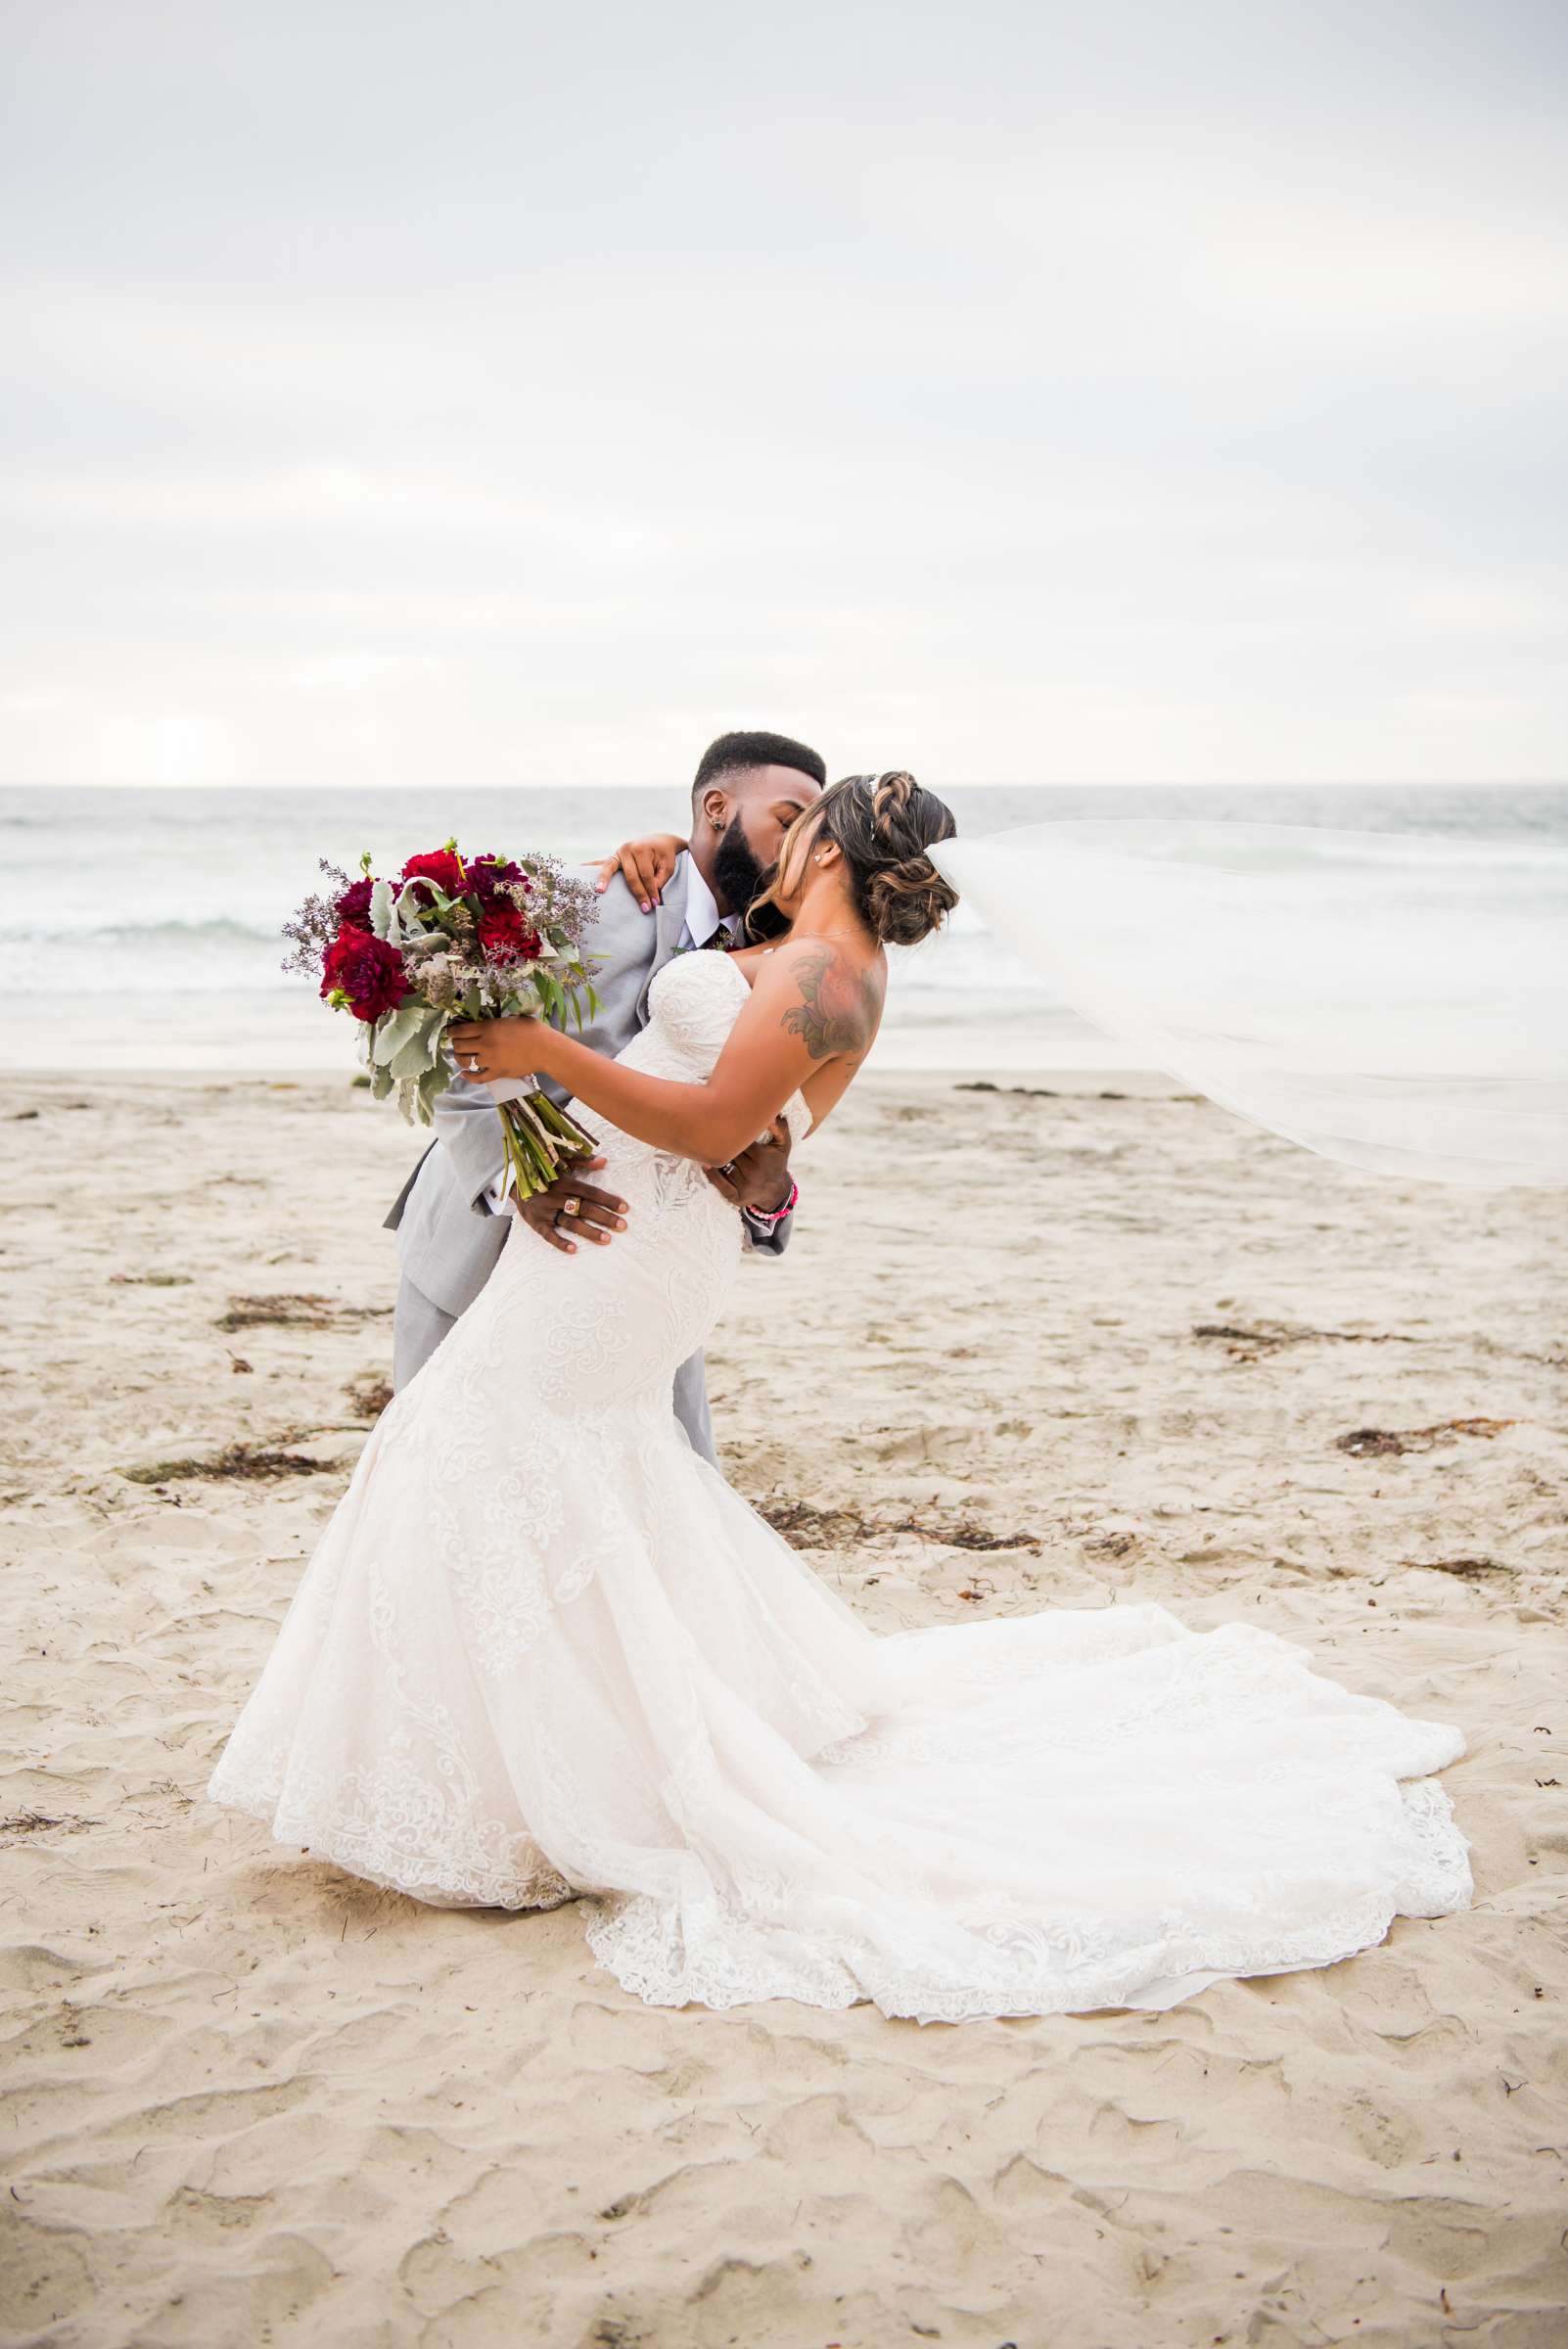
x=1055 y=783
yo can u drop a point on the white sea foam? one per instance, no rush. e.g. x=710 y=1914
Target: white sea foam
x=142 y=929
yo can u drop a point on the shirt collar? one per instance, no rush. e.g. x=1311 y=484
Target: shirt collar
x=703 y=917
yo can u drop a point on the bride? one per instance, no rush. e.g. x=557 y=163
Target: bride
x=544 y=1650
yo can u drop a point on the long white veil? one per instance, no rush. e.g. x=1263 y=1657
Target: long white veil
x=1397 y=1001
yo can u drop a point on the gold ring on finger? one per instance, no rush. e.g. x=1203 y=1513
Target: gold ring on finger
x=572 y=1206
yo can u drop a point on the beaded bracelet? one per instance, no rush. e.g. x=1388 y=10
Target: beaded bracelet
x=760 y=1214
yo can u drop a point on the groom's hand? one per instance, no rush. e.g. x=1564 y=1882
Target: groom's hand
x=596 y=1214
x=758 y=1175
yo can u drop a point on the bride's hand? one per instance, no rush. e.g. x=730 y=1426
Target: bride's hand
x=647 y=865
x=486 y=1049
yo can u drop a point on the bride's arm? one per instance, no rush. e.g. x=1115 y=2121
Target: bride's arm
x=645 y=865
x=810 y=1005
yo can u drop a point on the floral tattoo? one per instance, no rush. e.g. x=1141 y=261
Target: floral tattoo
x=835 y=1013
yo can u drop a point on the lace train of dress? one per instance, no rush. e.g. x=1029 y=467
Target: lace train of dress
x=545 y=1649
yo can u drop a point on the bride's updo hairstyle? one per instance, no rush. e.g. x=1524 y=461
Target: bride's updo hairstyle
x=882 y=825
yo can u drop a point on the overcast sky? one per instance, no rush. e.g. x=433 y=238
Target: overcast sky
x=430 y=390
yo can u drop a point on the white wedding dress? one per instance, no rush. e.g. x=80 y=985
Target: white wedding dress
x=545 y=1649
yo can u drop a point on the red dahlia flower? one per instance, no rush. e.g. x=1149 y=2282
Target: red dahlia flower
x=352 y=908
x=368 y=970
x=504 y=934
x=441 y=866
x=485 y=874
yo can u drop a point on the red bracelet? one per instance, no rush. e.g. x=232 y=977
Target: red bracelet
x=759 y=1215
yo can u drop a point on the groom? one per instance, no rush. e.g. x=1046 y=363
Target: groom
x=452 y=1215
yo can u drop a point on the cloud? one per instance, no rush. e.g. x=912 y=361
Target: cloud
x=1042 y=393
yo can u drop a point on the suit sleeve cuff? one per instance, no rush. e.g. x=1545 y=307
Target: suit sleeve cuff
x=766 y=1225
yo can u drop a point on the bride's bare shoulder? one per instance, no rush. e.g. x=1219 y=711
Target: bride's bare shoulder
x=828 y=994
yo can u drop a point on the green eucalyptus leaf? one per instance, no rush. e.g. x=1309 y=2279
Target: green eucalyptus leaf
x=411 y=903
x=393 y=1032
x=410 y=1059
x=420 y=1048
x=411 y=1101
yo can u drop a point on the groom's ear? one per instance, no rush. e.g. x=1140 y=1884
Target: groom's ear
x=714 y=809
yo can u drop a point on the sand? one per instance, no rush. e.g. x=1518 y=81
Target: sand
x=1026 y=1348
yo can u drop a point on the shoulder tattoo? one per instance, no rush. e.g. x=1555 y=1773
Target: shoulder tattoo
x=836 y=1011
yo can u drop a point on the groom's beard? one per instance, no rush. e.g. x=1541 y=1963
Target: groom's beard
x=738 y=879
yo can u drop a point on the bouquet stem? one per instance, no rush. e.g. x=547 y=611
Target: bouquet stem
x=540 y=1141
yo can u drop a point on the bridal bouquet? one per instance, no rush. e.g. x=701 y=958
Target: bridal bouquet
x=453 y=938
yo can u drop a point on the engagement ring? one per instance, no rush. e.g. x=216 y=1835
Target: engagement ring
x=472 y=1067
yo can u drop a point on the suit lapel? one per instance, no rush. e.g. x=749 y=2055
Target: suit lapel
x=670 y=920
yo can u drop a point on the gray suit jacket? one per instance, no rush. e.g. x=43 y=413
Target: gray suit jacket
x=448 y=1238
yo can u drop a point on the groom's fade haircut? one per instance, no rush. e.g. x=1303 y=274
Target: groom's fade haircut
x=733 y=753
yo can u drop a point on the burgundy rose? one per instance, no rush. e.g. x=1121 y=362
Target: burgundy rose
x=441 y=866
x=369 y=972
x=353 y=909
x=505 y=935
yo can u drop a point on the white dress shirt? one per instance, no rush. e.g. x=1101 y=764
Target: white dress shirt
x=704 y=921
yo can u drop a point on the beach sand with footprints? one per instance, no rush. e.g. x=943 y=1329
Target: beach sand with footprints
x=1069 y=1344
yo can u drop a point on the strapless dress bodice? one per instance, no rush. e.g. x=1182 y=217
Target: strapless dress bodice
x=693 y=1003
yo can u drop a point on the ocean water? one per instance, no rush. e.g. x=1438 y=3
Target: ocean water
x=142 y=927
